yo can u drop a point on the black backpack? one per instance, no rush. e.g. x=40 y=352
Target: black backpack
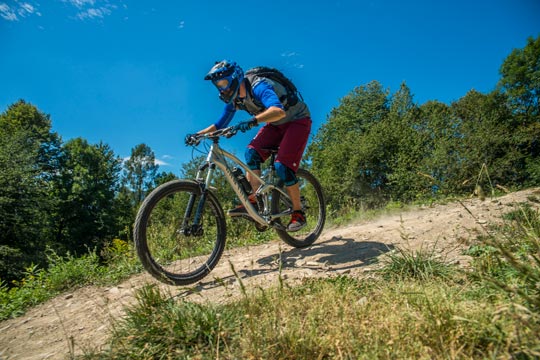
x=292 y=96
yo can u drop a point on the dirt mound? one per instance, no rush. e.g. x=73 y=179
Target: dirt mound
x=81 y=320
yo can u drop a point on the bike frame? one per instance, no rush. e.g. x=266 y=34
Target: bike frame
x=218 y=157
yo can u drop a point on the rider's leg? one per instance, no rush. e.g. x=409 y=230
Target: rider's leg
x=291 y=183
x=291 y=149
x=253 y=181
x=253 y=161
x=294 y=194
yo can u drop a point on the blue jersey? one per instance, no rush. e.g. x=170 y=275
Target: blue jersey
x=263 y=91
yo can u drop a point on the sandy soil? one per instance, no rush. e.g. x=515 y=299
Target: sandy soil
x=75 y=322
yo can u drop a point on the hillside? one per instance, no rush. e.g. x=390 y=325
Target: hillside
x=83 y=318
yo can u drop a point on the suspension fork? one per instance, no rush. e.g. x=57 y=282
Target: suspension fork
x=196 y=226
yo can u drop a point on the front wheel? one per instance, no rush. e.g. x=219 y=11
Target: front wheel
x=170 y=246
x=313 y=205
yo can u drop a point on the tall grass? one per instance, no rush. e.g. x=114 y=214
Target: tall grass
x=510 y=260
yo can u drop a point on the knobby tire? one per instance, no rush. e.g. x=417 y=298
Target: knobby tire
x=165 y=250
x=315 y=209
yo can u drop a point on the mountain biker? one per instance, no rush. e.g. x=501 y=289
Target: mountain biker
x=287 y=126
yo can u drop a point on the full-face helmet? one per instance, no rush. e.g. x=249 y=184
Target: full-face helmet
x=226 y=76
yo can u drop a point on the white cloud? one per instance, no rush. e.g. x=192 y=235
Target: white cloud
x=292 y=54
x=85 y=9
x=80 y=3
x=94 y=13
x=156 y=161
x=92 y=9
x=161 y=162
x=182 y=24
x=6 y=12
x=19 y=10
x=28 y=9
x=289 y=54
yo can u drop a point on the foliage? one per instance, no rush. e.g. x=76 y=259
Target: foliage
x=141 y=170
x=66 y=273
x=86 y=189
x=510 y=258
x=410 y=264
x=28 y=161
x=39 y=285
x=520 y=79
x=377 y=146
x=342 y=157
x=178 y=331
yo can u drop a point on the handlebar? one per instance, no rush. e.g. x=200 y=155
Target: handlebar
x=228 y=132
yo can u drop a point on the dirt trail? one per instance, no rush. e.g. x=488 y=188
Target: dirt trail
x=74 y=322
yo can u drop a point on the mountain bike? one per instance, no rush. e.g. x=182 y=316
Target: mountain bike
x=180 y=228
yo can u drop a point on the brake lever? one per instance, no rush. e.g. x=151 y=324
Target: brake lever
x=194 y=141
x=231 y=133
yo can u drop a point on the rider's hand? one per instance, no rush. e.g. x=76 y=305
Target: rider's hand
x=247 y=125
x=190 y=139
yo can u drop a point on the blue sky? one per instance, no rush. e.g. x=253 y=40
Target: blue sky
x=127 y=72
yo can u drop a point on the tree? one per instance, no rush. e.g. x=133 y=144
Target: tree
x=347 y=165
x=164 y=177
x=140 y=172
x=86 y=217
x=406 y=145
x=440 y=132
x=520 y=80
x=29 y=153
x=487 y=138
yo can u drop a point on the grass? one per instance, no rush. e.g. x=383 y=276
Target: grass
x=341 y=318
x=419 y=264
x=67 y=273
x=416 y=307
x=117 y=262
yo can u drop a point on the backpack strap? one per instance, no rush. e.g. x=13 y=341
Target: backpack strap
x=290 y=98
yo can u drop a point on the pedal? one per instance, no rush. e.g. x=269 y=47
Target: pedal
x=278 y=226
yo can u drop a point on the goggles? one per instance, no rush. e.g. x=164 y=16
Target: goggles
x=222 y=84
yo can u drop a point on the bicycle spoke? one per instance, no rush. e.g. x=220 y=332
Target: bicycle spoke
x=174 y=249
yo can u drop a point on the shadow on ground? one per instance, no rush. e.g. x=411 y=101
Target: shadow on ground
x=335 y=254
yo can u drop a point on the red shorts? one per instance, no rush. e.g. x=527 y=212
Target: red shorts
x=291 y=137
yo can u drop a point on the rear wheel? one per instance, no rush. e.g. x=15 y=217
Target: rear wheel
x=313 y=205
x=170 y=247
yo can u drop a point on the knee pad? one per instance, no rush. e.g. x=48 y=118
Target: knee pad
x=253 y=159
x=286 y=174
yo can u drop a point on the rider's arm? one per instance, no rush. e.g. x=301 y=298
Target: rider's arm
x=274 y=108
x=209 y=129
x=223 y=121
